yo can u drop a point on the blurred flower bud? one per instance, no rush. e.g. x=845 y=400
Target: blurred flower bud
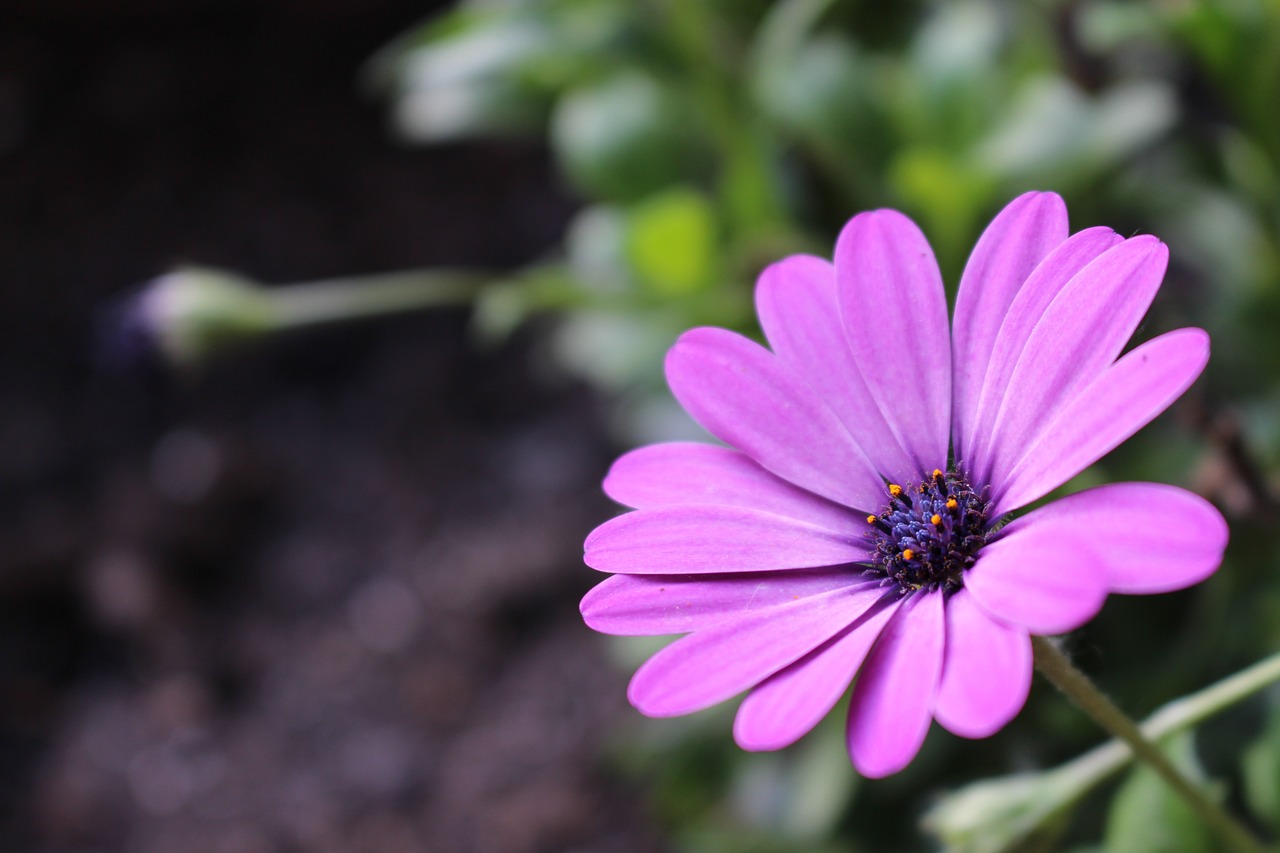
x=187 y=314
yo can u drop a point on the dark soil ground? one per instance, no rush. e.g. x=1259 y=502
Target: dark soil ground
x=320 y=596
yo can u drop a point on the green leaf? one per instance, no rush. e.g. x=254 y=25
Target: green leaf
x=626 y=137
x=1056 y=131
x=671 y=242
x=1261 y=769
x=948 y=195
x=596 y=247
x=1147 y=815
x=465 y=80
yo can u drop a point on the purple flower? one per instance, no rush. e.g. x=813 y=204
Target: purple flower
x=855 y=525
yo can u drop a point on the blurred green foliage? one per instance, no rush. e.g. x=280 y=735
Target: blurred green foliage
x=709 y=137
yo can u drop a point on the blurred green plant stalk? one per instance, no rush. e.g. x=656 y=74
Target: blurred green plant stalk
x=194 y=312
x=995 y=815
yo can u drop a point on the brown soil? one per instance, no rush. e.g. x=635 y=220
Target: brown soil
x=320 y=596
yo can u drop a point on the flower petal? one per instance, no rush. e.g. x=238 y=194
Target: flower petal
x=697 y=539
x=895 y=317
x=1039 y=575
x=745 y=397
x=1159 y=537
x=708 y=667
x=1013 y=245
x=1080 y=335
x=782 y=709
x=1126 y=398
x=893 y=701
x=986 y=674
x=1042 y=286
x=652 y=605
x=800 y=314
x=691 y=473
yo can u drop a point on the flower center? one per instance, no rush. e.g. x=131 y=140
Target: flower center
x=929 y=533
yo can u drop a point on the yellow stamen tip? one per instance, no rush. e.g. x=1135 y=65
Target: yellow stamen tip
x=937 y=473
x=951 y=503
x=936 y=520
x=895 y=489
x=907 y=554
x=871 y=519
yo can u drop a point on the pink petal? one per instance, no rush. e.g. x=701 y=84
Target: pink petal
x=1013 y=245
x=1149 y=537
x=710 y=666
x=698 y=539
x=745 y=397
x=784 y=708
x=649 y=605
x=1041 y=288
x=1080 y=335
x=1040 y=576
x=687 y=472
x=895 y=317
x=986 y=674
x=893 y=701
x=800 y=314
x=1124 y=399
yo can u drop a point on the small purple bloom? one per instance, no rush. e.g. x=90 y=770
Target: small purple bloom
x=854 y=526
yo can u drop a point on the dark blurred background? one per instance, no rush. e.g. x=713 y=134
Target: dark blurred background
x=320 y=595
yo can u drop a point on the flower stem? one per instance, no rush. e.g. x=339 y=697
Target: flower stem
x=365 y=296
x=1055 y=666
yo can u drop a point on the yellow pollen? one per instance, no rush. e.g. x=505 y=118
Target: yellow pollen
x=895 y=489
x=871 y=519
x=907 y=554
x=937 y=473
x=951 y=503
x=936 y=520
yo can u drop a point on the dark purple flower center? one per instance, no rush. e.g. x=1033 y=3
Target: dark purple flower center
x=930 y=532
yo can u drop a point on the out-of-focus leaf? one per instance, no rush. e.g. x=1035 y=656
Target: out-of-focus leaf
x=613 y=349
x=596 y=244
x=626 y=137
x=493 y=68
x=818 y=93
x=828 y=99
x=1248 y=167
x=1127 y=117
x=947 y=194
x=1107 y=26
x=671 y=242
x=465 y=81
x=952 y=83
x=1261 y=769
x=961 y=40
x=784 y=34
x=1147 y=815
x=1057 y=133
x=1238 y=46
x=1006 y=813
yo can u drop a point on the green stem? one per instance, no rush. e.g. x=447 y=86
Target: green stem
x=997 y=814
x=366 y=296
x=1056 y=667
